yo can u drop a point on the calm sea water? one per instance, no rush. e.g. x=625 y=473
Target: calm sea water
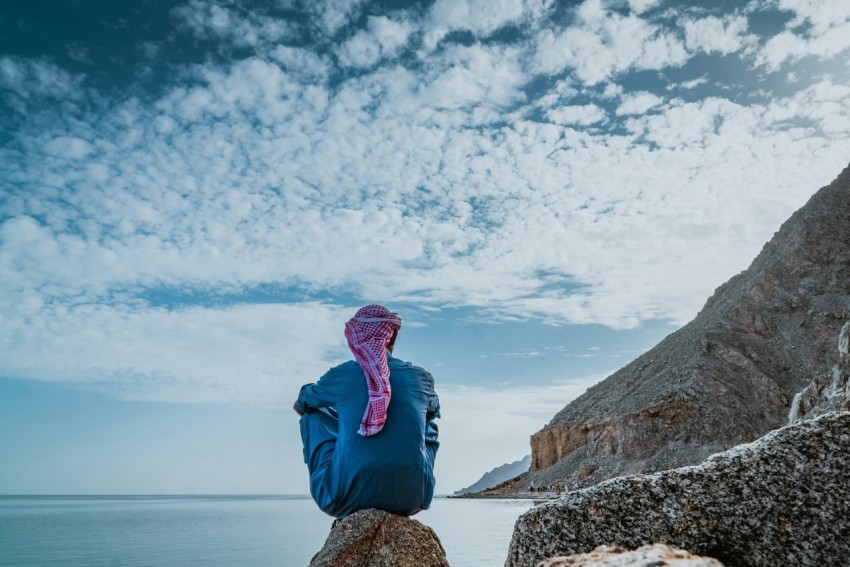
x=218 y=531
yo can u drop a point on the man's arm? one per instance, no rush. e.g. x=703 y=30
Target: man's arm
x=432 y=412
x=322 y=394
x=433 y=406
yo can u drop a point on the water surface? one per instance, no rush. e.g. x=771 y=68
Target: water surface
x=218 y=531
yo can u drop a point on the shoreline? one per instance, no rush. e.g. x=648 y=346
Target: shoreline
x=542 y=496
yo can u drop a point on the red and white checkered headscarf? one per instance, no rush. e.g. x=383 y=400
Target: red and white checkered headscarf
x=368 y=333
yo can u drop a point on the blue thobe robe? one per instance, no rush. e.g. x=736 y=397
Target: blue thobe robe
x=392 y=470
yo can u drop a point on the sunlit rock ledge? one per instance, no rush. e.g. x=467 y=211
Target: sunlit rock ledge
x=656 y=555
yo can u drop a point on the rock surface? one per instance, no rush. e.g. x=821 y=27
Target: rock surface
x=657 y=555
x=374 y=538
x=727 y=377
x=782 y=500
x=829 y=391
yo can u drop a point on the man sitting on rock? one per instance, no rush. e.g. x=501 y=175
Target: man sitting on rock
x=382 y=457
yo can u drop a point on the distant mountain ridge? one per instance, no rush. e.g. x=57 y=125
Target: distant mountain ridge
x=498 y=476
x=725 y=378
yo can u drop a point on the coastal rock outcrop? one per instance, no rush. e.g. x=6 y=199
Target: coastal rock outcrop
x=781 y=500
x=380 y=539
x=657 y=555
x=727 y=377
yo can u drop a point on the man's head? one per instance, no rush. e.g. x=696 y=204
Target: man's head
x=374 y=325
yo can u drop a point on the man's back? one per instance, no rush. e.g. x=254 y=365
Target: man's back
x=391 y=470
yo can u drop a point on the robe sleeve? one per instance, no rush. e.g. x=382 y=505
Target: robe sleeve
x=431 y=429
x=433 y=406
x=322 y=394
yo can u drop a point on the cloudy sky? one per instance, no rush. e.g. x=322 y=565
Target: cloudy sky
x=194 y=197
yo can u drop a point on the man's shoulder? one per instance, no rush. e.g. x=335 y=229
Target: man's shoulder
x=348 y=366
x=352 y=366
x=397 y=363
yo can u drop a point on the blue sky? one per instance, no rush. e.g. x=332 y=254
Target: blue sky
x=194 y=197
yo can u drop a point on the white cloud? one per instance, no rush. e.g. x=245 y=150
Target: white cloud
x=69 y=148
x=302 y=63
x=781 y=47
x=481 y=17
x=820 y=28
x=603 y=43
x=717 y=35
x=383 y=38
x=477 y=15
x=210 y=19
x=825 y=104
x=638 y=103
x=35 y=78
x=252 y=84
x=580 y=115
x=332 y=15
x=362 y=50
x=612 y=90
x=563 y=90
x=688 y=85
x=823 y=15
x=475 y=75
x=641 y=6
x=244 y=353
x=322 y=180
x=390 y=34
x=790 y=46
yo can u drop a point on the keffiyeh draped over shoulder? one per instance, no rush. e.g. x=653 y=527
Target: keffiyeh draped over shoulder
x=368 y=334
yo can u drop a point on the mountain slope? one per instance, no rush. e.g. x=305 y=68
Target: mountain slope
x=498 y=475
x=725 y=378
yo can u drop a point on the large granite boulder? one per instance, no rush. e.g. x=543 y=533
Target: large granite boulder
x=656 y=555
x=781 y=500
x=375 y=538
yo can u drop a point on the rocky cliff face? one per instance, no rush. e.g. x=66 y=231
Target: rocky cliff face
x=829 y=391
x=728 y=376
x=781 y=500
